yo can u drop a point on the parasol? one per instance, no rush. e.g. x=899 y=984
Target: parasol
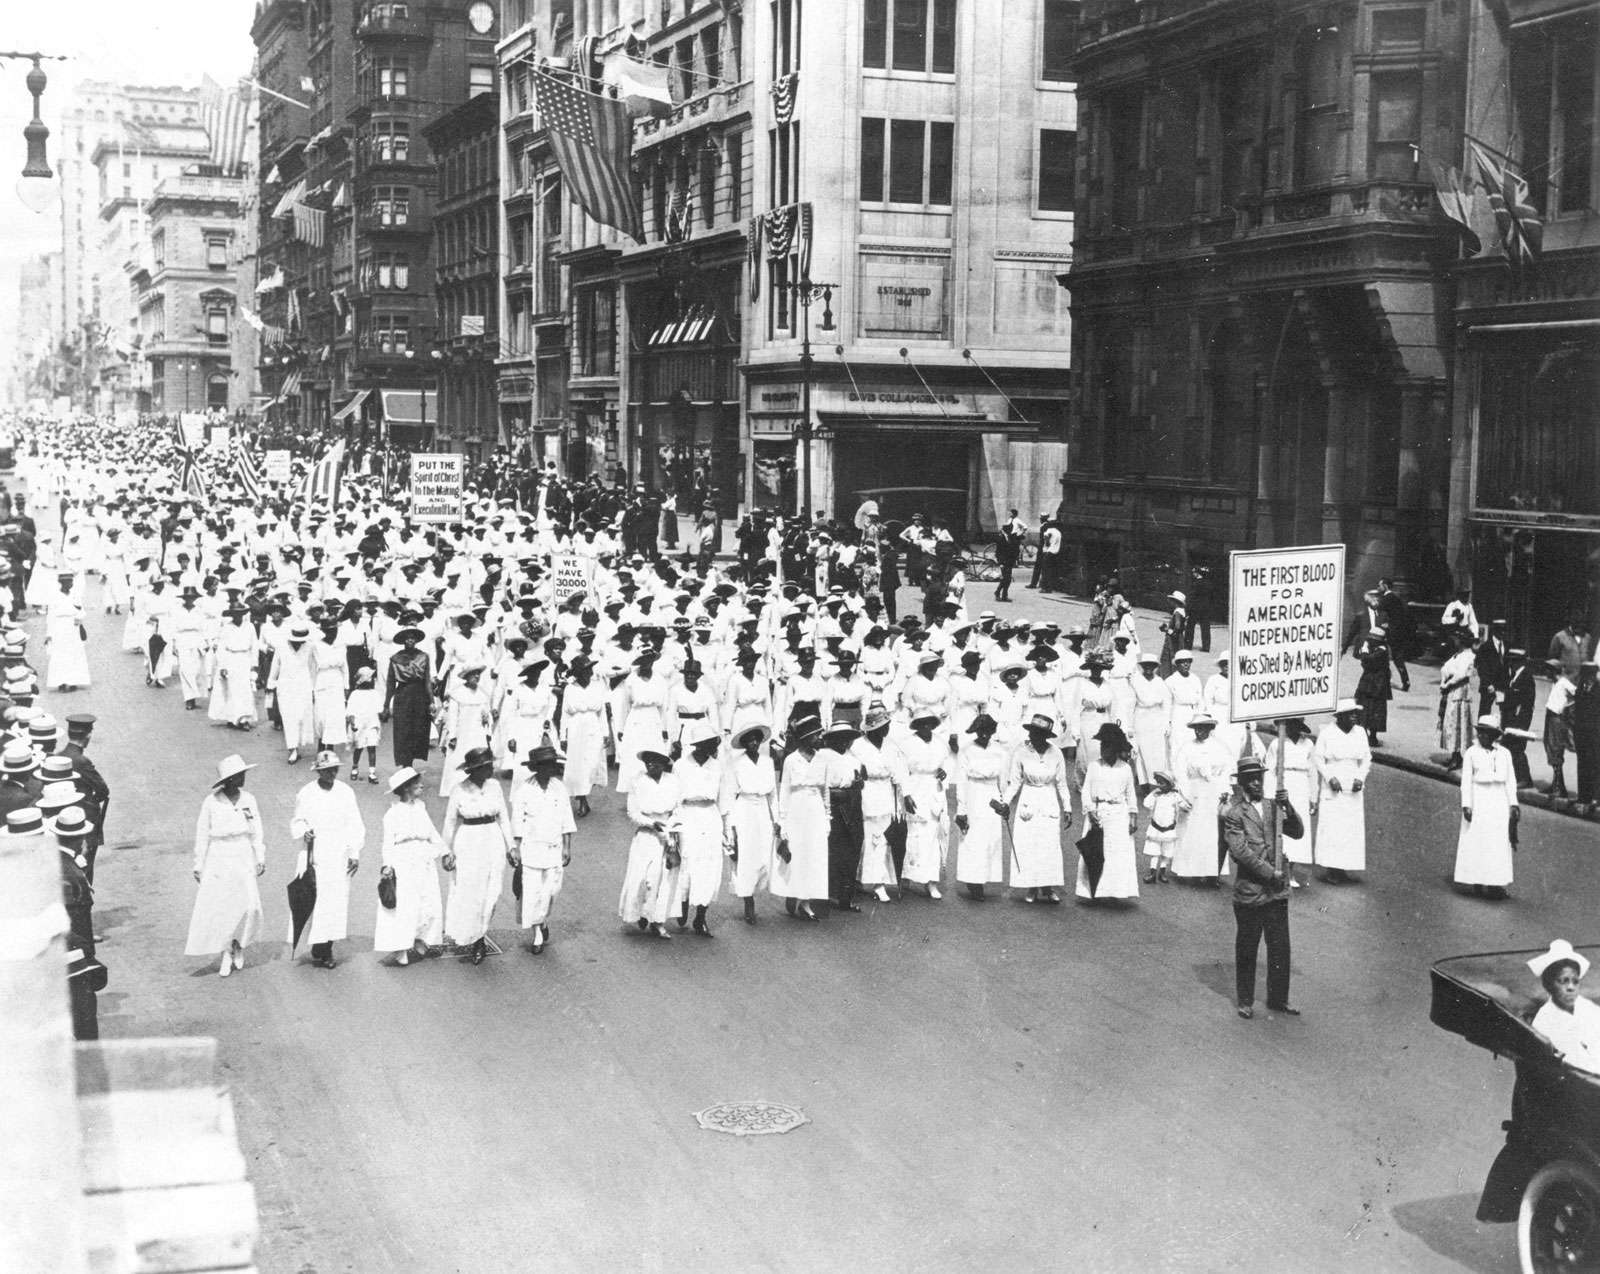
x=158 y=643
x=302 y=900
x=1092 y=849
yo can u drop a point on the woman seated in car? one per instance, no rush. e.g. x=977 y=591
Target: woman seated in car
x=1570 y=1021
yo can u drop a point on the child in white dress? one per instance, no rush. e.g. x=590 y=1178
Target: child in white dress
x=361 y=709
x=1161 y=832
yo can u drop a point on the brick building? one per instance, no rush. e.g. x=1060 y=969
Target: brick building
x=1259 y=283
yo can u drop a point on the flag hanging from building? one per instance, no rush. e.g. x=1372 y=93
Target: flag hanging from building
x=310 y=224
x=226 y=118
x=1455 y=202
x=245 y=471
x=1521 y=231
x=322 y=481
x=592 y=137
x=643 y=86
x=783 y=91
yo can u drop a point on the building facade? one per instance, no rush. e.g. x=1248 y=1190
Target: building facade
x=918 y=157
x=1259 y=284
x=34 y=370
x=466 y=255
x=1525 y=466
x=186 y=294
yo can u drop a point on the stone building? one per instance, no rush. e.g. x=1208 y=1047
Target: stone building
x=1260 y=282
x=466 y=268
x=1525 y=466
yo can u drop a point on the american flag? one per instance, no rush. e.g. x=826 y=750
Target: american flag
x=225 y=116
x=592 y=137
x=245 y=471
x=321 y=483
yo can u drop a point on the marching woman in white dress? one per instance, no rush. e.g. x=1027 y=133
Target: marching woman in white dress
x=1151 y=722
x=702 y=836
x=1036 y=784
x=542 y=829
x=233 y=693
x=927 y=806
x=328 y=820
x=330 y=686
x=748 y=785
x=650 y=882
x=1300 y=782
x=1202 y=767
x=747 y=700
x=979 y=781
x=641 y=716
x=466 y=723
x=68 y=668
x=882 y=798
x=526 y=713
x=1090 y=710
x=477 y=828
x=1111 y=803
x=230 y=851
x=1489 y=815
x=412 y=848
x=583 y=732
x=1343 y=758
x=801 y=870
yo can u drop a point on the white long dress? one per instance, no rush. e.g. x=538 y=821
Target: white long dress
x=1489 y=792
x=477 y=828
x=1202 y=771
x=233 y=697
x=1110 y=800
x=700 y=829
x=1152 y=723
x=649 y=885
x=803 y=819
x=330 y=684
x=340 y=833
x=1341 y=841
x=980 y=776
x=540 y=818
x=928 y=827
x=229 y=845
x=1299 y=781
x=69 y=653
x=1038 y=784
x=884 y=782
x=290 y=679
x=583 y=737
x=466 y=721
x=411 y=849
x=642 y=723
x=747 y=791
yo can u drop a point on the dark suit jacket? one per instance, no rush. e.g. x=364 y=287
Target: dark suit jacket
x=1256 y=881
x=1517 y=712
x=1367 y=618
x=1490 y=662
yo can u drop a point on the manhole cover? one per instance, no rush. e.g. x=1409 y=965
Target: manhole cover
x=750 y=1118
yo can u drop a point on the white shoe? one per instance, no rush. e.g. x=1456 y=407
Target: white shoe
x=881 y=894
x=294 y=755
x=403 y=958
x=933 y=891
x=226 y=967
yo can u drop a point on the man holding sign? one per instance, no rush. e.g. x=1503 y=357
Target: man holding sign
x=1260 y=886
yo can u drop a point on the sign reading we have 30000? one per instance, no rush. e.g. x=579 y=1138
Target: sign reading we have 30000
x=1284 y=613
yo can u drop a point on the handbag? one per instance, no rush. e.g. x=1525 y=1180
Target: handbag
x=386 y=889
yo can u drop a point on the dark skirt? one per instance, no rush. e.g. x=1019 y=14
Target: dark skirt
x=412 y=721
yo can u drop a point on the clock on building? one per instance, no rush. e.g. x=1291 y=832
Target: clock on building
x=481 y=15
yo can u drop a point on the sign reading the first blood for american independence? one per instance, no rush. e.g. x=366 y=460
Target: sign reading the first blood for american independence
x=1284 y=614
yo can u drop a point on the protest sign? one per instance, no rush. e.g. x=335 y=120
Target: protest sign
x=1284 y=613
x=277 y=467
x=437 y=485
x=570 y=574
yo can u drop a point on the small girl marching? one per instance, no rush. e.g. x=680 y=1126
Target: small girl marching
x=1161 y=832
x=362 y=709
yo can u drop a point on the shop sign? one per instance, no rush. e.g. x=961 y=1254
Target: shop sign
x=902 y=297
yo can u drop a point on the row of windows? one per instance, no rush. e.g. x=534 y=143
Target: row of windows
x=920 y=35
x=216 y=250
x=911 y=161
x=389 y=77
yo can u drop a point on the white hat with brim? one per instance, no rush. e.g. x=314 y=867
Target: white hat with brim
x=1487 y=722
x=1149 y=659
x=1202 y=718
x=327 y=759
x=1179 y=655
x=1344 y=706
x=703 y=732
x=405 y=774
x=1559 y=950
x=231 y=767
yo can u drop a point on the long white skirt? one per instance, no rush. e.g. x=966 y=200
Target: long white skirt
x=648 y=885
x=877 y=858
x=480 y=851
x=1120 y=876
x=1483 y=849
x=1341 y=831
x=1036 y=841
x=927 y=832
x=330 y=918
x=69 y=660
x=700 y=876
x=586 y=753
x=227 y=908
x=805 y=875
x=418 y=910
x=540 y=888
x=752 y=825
x=1198 y=846
x=980 y=854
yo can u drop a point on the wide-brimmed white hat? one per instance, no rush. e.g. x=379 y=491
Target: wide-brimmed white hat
x=230 y=766
x=703 y=732
x=1346 y=705
x=1559 y=950
x=405 y=774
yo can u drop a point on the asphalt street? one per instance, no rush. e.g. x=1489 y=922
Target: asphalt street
x=990 y=1085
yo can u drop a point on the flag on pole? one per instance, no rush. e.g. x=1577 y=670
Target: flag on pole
x=642 y=86
x=592 y=137
x=1455 y=202
x=322 y=481
x=1521 y=231
x=226 y=118
x=190 y=480
x=245 y=471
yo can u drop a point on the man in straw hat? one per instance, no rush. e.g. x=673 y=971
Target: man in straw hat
x=230 y=852
x=328 y=820
x=1489 y=815
x=1260 y=887
x=542 y=828
x=86 y=976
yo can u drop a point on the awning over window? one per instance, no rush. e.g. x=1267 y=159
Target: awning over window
x=353 y=406
x=692 y=329
x=410 y=406
x=291 y=385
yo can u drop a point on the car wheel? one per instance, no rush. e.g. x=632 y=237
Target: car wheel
x=1558 y=1224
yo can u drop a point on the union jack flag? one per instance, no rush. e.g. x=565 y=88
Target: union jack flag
x=246 y=473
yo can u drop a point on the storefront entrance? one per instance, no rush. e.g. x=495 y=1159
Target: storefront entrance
x=915 y=471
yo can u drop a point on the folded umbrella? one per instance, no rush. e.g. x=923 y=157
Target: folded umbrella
x=302 y=900
x=1092 y=849
x=158 y=643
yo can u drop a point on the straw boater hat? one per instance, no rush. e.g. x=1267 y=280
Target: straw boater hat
x=651 y=754
x=25 y=822
x=229 y=767
x=1039 y=723
x=17 y=759
x=742 y=738
x=58 y=796
x=1560 y=950
x=1345 y=705
x=405 y=774
x=1487 y=722
x=72 y=821
x=806 y=727
x=1202 y=718
x=841 y=725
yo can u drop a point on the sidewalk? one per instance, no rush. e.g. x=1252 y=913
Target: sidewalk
x=1410 y=743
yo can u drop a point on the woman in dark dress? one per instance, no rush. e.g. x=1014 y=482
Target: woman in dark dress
x=408 y=698
x=1373 y=691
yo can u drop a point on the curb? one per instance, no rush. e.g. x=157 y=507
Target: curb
x=1526 y=796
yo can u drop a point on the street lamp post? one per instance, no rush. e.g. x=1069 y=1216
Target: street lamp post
x=805 y=292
